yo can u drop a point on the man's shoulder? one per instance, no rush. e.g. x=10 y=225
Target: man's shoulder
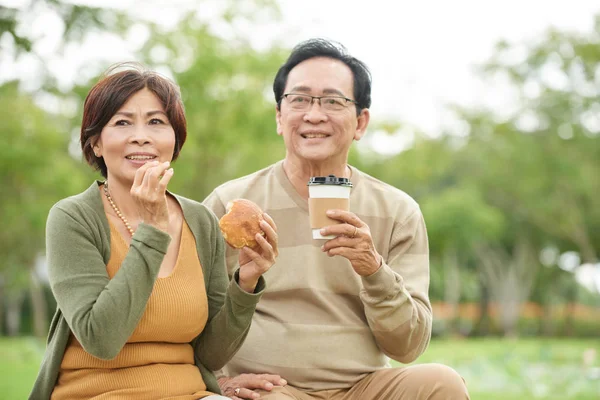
x=385 y=192
x=234 y=187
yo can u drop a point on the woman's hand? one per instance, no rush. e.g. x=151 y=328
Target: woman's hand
x=255 y=262
x=243 y=386
x=149 y=193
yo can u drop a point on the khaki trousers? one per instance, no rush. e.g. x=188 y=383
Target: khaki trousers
x=417 y=382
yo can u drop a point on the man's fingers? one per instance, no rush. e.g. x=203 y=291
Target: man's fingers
x=345 y=216
x=340 y=241
x=244 y=393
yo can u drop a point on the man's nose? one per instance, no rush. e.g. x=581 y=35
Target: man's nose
x=315 y=112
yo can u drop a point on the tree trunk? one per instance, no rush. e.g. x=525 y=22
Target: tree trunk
x=569 y=321
x=2 y=294
x=38 y=304
x=14 y=304
x=545 y=326
x=482 y=326
x=509 y=275
x=452 y=286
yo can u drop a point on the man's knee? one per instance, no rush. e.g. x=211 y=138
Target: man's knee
x=447 y=383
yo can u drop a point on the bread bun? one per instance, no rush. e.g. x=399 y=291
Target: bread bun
x=241 y=223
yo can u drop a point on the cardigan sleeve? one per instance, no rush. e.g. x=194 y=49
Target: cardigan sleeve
x=102 y=313
x=231 y=308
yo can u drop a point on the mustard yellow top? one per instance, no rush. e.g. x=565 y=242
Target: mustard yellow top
x=158 y=360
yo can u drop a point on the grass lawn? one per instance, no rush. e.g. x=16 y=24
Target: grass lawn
x=522 y=369
x=494 y=369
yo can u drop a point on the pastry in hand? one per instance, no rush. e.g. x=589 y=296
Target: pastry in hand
x=241 y=223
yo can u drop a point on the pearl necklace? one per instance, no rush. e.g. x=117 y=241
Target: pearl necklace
x=114 y=206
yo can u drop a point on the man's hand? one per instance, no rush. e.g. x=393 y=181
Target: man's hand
x=242 y=386
x=353 y=242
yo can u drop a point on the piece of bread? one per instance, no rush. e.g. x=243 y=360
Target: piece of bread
x=241 y=223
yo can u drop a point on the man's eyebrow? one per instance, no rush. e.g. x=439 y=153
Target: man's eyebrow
x=327 y=91
x=300 y=89
x=333 y=91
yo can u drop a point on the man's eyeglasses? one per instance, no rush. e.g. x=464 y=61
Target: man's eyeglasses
x=303 y=102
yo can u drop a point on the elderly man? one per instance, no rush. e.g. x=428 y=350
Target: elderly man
x=334 y=311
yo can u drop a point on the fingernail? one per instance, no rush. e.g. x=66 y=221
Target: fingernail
x=322 y=248
x=322 y=231
x=283 y=382
x=167 y=163
x=330 y=212
x=269 y=386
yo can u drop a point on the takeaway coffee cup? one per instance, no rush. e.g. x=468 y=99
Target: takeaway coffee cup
x=326 y=193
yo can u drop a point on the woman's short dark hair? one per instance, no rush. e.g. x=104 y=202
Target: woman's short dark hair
x=119 y=83
x=325 y=48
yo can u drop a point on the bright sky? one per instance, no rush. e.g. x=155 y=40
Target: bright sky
x=421 y=53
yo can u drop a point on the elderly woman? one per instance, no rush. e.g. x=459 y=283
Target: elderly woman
x=145 y=310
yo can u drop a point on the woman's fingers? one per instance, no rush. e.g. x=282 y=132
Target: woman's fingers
x=269 y=232
x=268 y=252
x=141 y=172
x=270 y=221
x=164 y=181
x=152 y=176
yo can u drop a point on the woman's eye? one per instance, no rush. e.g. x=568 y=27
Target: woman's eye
x=121 y=122
x=156 y=121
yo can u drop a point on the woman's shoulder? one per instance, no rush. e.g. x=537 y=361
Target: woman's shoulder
x=79 y=203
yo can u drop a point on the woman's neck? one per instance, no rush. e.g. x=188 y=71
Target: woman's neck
x=120 y=192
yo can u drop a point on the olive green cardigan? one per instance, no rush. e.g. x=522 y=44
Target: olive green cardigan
x=102 y=313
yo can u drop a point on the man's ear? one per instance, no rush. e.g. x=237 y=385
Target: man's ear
x=362 y=123
x=278 y=121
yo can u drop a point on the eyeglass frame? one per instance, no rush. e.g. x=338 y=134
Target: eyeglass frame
x=312 y=100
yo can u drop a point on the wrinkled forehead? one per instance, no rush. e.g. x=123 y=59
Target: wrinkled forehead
x=321 y=76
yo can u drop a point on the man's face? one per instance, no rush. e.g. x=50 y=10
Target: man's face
x=316 y=135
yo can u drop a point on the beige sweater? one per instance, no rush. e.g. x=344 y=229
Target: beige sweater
x=319 y=324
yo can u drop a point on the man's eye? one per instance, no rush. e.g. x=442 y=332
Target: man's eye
x=299 y=99
x=333 y=101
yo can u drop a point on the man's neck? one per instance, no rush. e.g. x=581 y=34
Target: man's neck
x=300 y=172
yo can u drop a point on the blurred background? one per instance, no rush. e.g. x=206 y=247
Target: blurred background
x=487 y=113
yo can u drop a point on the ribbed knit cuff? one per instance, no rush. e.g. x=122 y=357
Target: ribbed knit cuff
x=381 y=283
x=152 y=237
x=240 y=296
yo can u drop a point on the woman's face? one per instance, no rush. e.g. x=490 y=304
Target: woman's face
x=138 y=133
